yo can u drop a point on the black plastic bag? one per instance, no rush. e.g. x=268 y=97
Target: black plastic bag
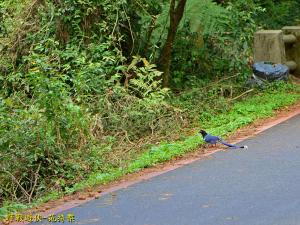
x=265 y=72
x=270 y=71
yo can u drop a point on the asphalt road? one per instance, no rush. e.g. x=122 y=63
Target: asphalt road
x=260 y=185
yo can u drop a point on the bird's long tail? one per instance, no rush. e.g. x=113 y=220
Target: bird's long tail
x=233 y=146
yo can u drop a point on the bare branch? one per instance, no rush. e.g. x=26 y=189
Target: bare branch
x=17 y=182
x=36 y=175
x=246 y=92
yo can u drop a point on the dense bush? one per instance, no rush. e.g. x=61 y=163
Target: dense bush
x=219 y=42
x=66 y=96
x=279 y=13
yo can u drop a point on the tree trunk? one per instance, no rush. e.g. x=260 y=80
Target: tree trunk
x=176 y=13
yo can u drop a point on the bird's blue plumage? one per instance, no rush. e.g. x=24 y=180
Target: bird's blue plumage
x=211 y=139
x=214 y=139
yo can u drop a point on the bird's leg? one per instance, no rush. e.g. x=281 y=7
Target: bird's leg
x=209 y=145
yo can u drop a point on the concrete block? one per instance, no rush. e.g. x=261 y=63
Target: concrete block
x=293 y=49
x=269 y=46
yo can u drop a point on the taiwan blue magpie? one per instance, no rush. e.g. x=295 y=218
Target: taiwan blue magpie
x=214 y=140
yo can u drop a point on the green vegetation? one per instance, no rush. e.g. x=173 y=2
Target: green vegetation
x=81 y=97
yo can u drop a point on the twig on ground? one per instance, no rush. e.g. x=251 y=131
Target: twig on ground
x=244 y=93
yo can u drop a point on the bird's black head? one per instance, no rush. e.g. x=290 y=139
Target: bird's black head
x=203 y=133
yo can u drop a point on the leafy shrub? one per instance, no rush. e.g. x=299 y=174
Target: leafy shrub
x=66 y=98
x=279 y=14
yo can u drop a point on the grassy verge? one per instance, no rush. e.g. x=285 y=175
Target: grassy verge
x=242 y=113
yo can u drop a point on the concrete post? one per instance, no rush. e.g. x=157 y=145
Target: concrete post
x=293 y=48
x=269 y=46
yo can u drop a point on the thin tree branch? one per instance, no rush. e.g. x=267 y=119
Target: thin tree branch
x=112 y=33
x=36 y=175
x=17 y=182
x=246 y=92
